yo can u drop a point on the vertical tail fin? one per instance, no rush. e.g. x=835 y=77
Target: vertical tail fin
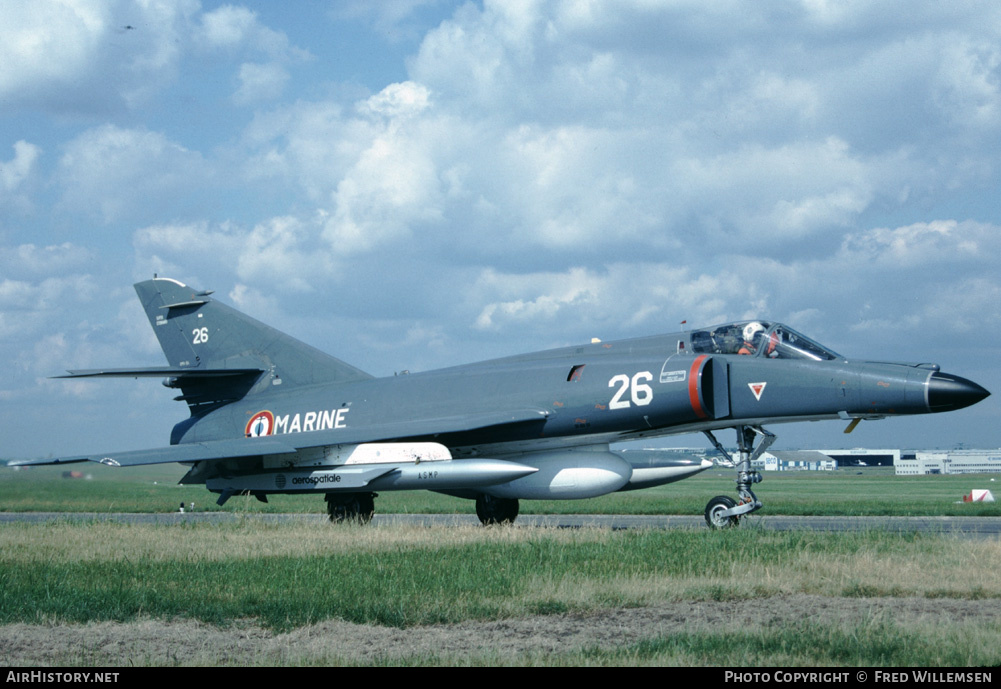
x=201 y=334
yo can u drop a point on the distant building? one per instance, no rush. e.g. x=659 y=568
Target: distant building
x=949 y=462
x=905 y=463
x=799 y=460
x=861 y=456
x=826 y=460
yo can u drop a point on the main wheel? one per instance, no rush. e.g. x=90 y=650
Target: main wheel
x=493 y=510
x=716 y=506
x=355 y=508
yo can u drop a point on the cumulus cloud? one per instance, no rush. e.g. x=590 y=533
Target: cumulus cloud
x=394 y=20
x=283 y=252
x=222 y=243
x=391 y=189
x=895 y=289
x=28 y=306
x=13 y=173
x=733 y=141
x=966 y=85
x=47 y=44
x=373 y=168
x=110 y=173
x=306 y=146
x=939 y=242
x=260 y=83
x=81 y=57
x=228 y=26
x=398 y=100
x=18 y=177
x=560 y=144
x=28 y=259
x=235 y=28
x=89 y=57
x=238 y=31
x=190 y=252
x=617 y=298
x=529 y=174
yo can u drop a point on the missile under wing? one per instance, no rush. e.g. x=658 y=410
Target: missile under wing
x=270 y=414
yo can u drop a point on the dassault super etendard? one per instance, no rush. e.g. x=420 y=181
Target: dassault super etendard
x=270 y=414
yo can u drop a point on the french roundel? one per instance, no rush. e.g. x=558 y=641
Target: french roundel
x=261 y=423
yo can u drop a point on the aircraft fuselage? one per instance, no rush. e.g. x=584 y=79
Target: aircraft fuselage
x=591 y=394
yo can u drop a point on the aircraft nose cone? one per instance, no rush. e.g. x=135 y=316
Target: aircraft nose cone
x=947 y=392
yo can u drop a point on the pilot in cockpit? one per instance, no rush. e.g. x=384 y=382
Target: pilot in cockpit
x=752 y=336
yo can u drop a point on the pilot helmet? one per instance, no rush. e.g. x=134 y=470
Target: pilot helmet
x=752 y=330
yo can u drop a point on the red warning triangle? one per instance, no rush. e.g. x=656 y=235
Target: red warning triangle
x=757 y=389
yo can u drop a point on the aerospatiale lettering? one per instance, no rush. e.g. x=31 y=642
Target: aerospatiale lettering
x=316 y=480
x=311 y=421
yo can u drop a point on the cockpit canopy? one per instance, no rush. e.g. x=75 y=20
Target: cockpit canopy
x=759 y=338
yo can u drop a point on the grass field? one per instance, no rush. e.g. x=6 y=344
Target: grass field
x=280 y=579
x=418 y=576
x=864 y=492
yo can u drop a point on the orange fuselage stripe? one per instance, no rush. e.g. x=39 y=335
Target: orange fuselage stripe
x=693 y=387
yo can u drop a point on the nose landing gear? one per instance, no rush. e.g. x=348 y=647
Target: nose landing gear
x=723 y=511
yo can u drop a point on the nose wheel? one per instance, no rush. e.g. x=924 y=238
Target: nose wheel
x=718 y=514
x=723 y=512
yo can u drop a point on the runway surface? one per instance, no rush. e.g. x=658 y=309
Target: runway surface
x=967 y=527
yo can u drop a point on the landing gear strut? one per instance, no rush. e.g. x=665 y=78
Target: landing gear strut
x=493 y=510
x=350 y=508
x=723 y=511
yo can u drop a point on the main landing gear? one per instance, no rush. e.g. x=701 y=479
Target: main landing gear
x=350 y=508
x=493 y=510
x=723 y=511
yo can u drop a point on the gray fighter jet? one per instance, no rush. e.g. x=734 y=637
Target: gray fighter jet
x=270 y=414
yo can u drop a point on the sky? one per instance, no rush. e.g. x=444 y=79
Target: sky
x=411 y=184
